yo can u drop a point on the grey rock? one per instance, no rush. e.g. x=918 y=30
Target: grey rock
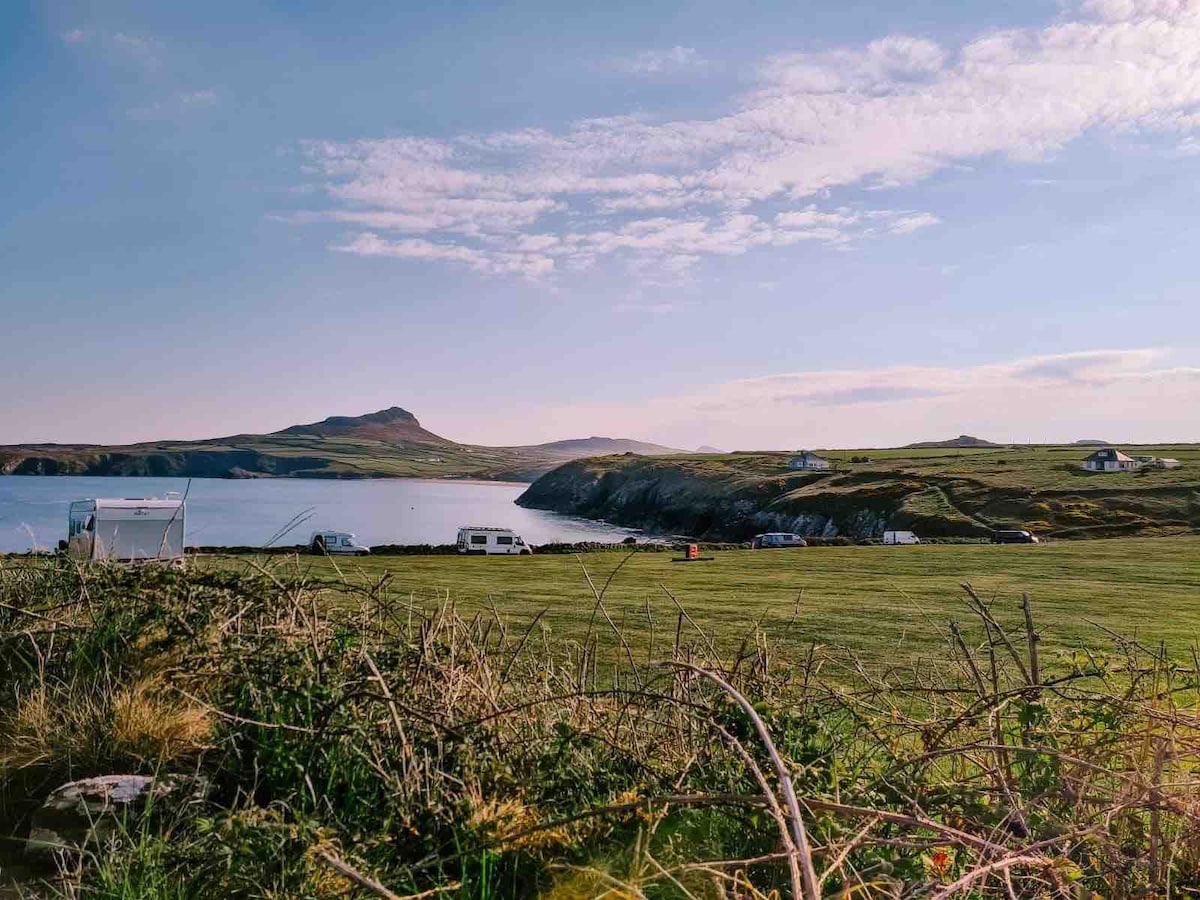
x=91 y=810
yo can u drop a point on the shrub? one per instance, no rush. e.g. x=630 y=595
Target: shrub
x=354 y=735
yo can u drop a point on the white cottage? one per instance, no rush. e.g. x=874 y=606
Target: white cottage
x=1110 y=459
x=808 y=461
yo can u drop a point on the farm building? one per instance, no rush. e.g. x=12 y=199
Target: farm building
x=806 y=460
x=1157 y=462
x=1110 y=459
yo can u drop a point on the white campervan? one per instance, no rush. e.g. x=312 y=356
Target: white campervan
x=323 y=542
x=477 y=540
x=127 y=530
x=900 y=537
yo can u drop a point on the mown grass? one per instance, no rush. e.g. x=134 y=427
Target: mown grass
x=886 y=603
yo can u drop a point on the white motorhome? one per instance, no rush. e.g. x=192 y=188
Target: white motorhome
x=478 y=540
x=127 y=530
x=323 y=542
x=900 y=537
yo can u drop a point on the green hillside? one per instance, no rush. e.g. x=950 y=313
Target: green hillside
x=937 y=492
x=390 y=443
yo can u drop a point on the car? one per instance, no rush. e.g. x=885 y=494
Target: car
x=1014 y=536
x=777 y=540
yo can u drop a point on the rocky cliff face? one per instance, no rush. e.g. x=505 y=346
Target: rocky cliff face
x=675 y=497
x=193 y=463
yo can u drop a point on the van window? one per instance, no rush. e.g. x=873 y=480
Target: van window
x=479 y=539
x=504 y=539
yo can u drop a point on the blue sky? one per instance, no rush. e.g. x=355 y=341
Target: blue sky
x=762 y=224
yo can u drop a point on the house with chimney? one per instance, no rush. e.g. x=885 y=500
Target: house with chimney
x=1110 y=459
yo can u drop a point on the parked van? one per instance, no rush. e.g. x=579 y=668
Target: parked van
x=900 y=537
x=479 y=540
x=127 y=530
x=1014 y=537
x=331 y=542
x=777 y=540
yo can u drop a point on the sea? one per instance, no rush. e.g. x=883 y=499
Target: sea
x=285 y=511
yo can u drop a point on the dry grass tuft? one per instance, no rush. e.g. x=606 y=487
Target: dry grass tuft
x=89 y=727
x=152 y=725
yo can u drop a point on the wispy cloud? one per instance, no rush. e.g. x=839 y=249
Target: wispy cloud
x=660 y=62
x=1119 y=394
x=669 y=193
x=75 y=36
x=178 y=104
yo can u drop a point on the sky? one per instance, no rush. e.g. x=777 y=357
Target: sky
x=752 y=225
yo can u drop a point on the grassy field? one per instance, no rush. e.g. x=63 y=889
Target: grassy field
x=888 y=603
x=349 y=736
x=937 y=492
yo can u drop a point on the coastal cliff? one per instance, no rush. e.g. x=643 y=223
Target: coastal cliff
x=939 y=493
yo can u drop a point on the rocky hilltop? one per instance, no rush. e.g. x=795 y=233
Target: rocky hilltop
x=961 y=493
x=388 y=443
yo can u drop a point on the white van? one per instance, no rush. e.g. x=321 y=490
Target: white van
x=331 y=542
x=127 y=530
x=900 y=537
x=478 y=540
x=777 y=540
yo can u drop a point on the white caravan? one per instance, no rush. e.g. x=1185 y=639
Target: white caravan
x=900 y=537
x=477 y=540
x=323 y=542
x=127 y=530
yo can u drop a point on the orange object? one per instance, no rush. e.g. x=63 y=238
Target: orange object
x=693 y=551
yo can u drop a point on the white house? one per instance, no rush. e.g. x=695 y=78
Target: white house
x=1110 y=459
x=808 y=461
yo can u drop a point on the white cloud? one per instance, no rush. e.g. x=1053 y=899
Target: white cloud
x=888 y=113
x=658 y=62
x=75 y=36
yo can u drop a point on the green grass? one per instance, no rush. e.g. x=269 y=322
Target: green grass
x=888 y=603
x=440 y=750
x=937 y=492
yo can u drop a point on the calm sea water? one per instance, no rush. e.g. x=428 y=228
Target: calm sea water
x=33 y=509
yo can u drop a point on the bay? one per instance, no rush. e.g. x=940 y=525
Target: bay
x=33 y=509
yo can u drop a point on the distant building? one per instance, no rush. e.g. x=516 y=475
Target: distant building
x=1110 y=459
x=1157 y=462
x=808 y=461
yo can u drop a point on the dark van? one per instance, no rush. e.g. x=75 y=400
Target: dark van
x=1014 y=537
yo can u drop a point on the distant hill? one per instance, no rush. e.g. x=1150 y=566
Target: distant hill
x=1091 y=443
x=388 y=443
x=707 y=449
x=393 y=424
x=604 y=446
x=963 y=440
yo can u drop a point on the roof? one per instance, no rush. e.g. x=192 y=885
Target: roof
x=809 y=454
x=481 y=528
x=132 y=503
x=1110 y=453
